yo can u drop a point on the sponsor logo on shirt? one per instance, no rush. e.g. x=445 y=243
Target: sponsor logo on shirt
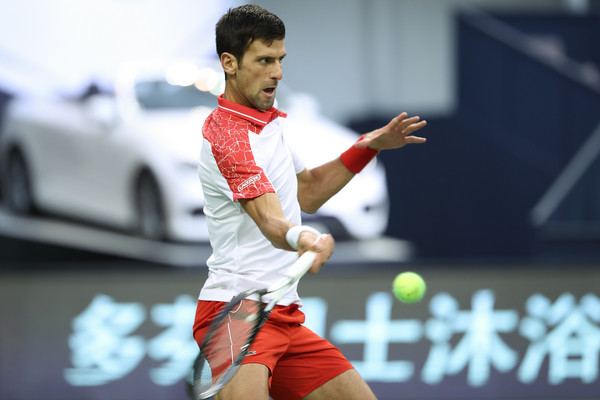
x=248 y=182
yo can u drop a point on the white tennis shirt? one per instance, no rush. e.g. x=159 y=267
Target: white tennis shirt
x=244 y=155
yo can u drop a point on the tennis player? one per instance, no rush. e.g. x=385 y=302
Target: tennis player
x=255 y=187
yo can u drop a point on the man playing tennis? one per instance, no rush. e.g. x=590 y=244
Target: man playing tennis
x=255 y=187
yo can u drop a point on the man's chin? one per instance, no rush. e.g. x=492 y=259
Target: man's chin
x=264 y=104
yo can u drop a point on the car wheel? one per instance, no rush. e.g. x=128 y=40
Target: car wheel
x=17 y=185
x=150 y=213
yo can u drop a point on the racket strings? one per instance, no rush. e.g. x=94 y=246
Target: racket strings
x=228 y=342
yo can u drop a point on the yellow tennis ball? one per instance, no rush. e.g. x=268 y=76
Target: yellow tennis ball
x=409 y=287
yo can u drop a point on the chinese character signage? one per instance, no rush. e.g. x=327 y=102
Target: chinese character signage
x=492 y=335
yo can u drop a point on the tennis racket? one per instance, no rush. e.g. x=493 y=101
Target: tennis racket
x=227 y=342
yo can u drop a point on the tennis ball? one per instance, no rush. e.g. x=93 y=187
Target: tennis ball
x=409 y=287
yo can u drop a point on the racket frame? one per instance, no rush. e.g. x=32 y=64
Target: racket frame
x=224 y=313
x=277 y=290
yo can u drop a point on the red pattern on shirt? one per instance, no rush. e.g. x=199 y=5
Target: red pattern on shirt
x=228 y=135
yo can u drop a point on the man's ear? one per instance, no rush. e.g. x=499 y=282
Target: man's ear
x=229 y=63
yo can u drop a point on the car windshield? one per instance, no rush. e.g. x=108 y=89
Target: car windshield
x=161 y=94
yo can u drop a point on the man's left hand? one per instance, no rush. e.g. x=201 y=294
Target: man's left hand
x=394 y=135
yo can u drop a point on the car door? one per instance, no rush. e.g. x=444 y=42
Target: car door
x=110 y=160
x=50 y=132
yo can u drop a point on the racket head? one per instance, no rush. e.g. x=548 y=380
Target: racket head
x=227 y=343
x=229 y=338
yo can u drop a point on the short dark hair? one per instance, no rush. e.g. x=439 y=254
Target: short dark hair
x=240 y=26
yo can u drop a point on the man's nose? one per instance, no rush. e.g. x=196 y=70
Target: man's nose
x=277 y=72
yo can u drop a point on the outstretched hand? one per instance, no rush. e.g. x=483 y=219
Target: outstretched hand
x=394 y=135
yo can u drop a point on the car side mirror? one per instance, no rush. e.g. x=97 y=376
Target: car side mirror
x=102 y=111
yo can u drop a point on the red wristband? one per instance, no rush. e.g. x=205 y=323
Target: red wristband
x=356 y=159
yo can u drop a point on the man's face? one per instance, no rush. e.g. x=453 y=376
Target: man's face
x=256 y=77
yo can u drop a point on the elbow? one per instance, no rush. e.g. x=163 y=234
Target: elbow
x=310 y=207
x=310 y=203
x=310 y=210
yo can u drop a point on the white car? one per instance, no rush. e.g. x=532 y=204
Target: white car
x=129 y=160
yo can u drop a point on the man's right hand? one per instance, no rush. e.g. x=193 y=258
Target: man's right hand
x=322 y=244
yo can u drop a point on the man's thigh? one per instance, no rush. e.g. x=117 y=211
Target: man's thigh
x=348 y=385
x=251 y=382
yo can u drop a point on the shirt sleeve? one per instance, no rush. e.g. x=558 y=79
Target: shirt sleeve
x=299 y=165
x=236 y=162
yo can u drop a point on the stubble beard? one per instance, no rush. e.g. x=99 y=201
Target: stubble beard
x=263 y=104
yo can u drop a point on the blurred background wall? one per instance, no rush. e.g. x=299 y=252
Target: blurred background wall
x=363 y=58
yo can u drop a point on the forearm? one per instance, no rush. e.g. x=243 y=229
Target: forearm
x=266 y=212
x=319 y=184
x=275 y=229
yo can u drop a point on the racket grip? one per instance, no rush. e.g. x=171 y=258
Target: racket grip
x=302 y=265
x=295 y=272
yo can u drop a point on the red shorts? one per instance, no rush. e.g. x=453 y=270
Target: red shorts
x=299 y=360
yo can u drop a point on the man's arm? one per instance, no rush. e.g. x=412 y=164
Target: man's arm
x=266 y=212
x=317 y=185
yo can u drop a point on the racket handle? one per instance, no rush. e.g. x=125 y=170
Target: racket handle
x=302 y=265
x=296 y=271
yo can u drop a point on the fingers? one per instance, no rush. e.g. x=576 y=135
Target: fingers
x=401 y=122
x=413 y=127
x=415 y=140
x=397 y=121
x=323 y=246
x=395 y=134
x=319 y=242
